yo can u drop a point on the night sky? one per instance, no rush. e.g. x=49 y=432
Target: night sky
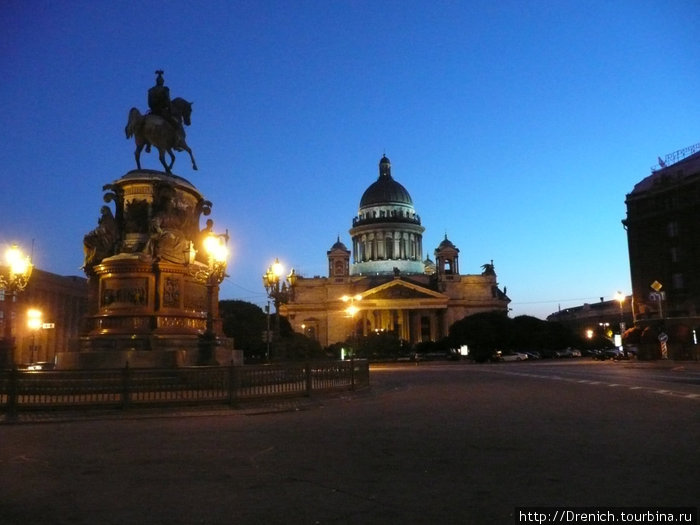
x=518 y=127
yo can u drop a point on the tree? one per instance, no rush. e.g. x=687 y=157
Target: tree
x=487 y=332
x=484 y=333
x=244 y=322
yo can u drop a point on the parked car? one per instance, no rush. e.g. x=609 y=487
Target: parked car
x=42 y=365
x=512 y=356
x=608 y=353
x=566 y=352
x=575 y=352
x=533 y=354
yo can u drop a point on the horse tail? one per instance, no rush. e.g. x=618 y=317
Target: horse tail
x=132 y=122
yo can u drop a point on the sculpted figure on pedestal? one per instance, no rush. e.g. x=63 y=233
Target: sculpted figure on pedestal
x=101 y=241
x=162 y=127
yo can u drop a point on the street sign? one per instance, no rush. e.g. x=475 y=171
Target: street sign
x=656 y=285
x=663 y=337
x=46 y=326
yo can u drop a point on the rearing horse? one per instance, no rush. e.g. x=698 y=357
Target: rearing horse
x=155 y=130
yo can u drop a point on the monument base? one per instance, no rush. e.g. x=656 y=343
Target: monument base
x=153 y=289
x=114 y=352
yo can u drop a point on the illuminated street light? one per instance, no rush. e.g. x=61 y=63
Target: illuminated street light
x=216 y=248
x=620 y=297
x=19 y=269
x=351 y=310
x=34 y=323
x=280 y=291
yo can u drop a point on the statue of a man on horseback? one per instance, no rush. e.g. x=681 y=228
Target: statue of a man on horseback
x=162 y=126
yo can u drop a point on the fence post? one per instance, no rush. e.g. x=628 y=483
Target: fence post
x=234 y=384
x=309 y=382
x=352 y=372
x=125 y=386
x=13 y=393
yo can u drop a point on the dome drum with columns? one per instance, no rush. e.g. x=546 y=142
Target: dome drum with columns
x=397 y=290
x=387 y=234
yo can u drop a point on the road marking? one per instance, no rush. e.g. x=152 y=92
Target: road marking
x=651 y=390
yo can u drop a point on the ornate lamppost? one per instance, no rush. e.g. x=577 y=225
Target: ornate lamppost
x=19 y=270
x=216 y=248
x=280 y=291
x=351 y=310
x=34 y=322
x=620 y=297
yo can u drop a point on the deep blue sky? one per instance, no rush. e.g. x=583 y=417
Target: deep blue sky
x=518 y=127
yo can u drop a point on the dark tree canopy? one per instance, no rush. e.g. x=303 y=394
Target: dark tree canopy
x=488 y=332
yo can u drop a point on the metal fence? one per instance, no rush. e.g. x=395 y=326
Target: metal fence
x=136 y=387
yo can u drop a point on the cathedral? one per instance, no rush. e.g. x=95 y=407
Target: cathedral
x=384 y=284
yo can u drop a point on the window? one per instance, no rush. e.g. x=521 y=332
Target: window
x=672 y=229
x=674 y=254
x=678 y=281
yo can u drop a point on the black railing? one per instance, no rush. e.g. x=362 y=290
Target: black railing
x=137 y=387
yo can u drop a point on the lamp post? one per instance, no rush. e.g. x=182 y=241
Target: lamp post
x=213 y=273
x=34 y=323
x=620 y=297
x=19 y=269
x=280 y=291
x=351 y=310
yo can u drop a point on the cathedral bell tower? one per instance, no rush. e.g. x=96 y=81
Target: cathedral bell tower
x=446 y=260
x=338 y=260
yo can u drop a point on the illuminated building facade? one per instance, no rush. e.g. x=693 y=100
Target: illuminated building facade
x=393 y=288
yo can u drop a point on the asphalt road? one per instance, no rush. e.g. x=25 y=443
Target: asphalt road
x=434 y=443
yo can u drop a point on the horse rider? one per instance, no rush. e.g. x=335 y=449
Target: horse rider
x=159 y=104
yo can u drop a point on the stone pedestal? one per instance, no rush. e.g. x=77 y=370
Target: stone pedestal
x=150 y=285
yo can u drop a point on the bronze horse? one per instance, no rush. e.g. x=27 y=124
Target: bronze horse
x=155 y=130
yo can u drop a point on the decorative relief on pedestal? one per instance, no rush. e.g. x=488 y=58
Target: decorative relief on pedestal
x=129 y=324
x=124 y=293
x=182 y=322
x=195 y=297
x=171 y=292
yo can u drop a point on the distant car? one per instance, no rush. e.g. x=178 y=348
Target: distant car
x=575 y=352
x=534 y=354
x=43 y=365
x=566 y=352
x=512 y=356
x=608 y=353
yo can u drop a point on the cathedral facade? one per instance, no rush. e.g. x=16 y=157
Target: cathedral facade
x=385 y=284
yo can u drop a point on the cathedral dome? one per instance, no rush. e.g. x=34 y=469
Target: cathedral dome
x=338 y=245
x=446 y=243
x=385 y=190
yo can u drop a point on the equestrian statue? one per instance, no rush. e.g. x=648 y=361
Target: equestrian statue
x=162 y=126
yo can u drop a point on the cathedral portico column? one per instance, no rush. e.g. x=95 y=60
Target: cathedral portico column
x=433 y=326
x=416 y=335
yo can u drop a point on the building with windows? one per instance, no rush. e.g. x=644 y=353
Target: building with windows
x=604 y=318
x=384 y=284
x=61 y=302
x=663 y=236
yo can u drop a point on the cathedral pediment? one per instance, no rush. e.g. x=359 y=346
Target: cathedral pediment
x=399 y=289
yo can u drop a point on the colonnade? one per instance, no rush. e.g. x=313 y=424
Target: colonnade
x=414 y=325
x=387 y=246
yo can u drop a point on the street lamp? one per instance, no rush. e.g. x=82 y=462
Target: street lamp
x=34 y=323
x=620 y=297
x=351 y=310
x=215 y=246
x=19 y=270
x=280 y=291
